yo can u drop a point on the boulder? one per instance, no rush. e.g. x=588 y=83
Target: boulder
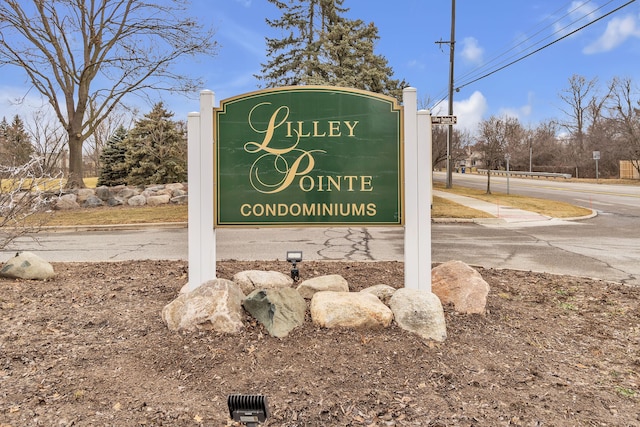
x=349 y=309
x=279 y=310
x=66 y=202
x=180 y=200
x=103 y=193
x=216 y=304
x=83 y=194
x=138 y=200
x=419 y=312
x=161 y=199
x=252 y=280
x=93 y=202
x=332 y=282
x=456 y=283
x=383 y=292
x=175 y=186
x=126 y=193
x=27 y=265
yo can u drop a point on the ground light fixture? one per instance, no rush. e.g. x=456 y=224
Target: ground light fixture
x=294 y=257
x=248 y=409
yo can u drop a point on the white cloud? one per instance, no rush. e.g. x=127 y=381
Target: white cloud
x=578 y=14
x=248 y=39
x=471 y=51
x=618 y=30
x=470 y=111
x=519 y=113
x=245 y=3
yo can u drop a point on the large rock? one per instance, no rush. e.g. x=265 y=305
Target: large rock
x=349 y=309
x=279 y=310
x=419 y=312
x=332 y=282
x=103 y=193
x=138 y=200
x=456 y=283
x=67 y=202
x=216 y=304
x=92 y=202
x=158 y=200
x=27 y=265
x=383 y=292
x=83 y=194
x=252 y=280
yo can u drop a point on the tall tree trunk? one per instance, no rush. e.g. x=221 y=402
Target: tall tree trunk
x=74 y=179
x=489 y=181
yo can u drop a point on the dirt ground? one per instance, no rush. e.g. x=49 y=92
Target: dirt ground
x=88 y=348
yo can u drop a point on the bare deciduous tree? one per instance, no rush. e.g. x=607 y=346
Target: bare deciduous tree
x=77 y=53
x=23 y=191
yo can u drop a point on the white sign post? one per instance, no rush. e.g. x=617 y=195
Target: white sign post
x=417 y=188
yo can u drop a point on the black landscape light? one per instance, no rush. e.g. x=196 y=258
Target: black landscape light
x=294 y=257
x=248 y=409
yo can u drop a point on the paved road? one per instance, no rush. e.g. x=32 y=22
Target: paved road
x=604 y=247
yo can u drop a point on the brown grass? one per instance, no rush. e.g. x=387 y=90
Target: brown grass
x=550 y=208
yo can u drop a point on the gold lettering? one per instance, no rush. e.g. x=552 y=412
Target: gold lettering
x=315 y=129
x=351 y=127
x=301 y=134
x=350 y=178
x=335 y=181
x=371 y=209
x=243 y=210
x=334 y=128
x=365 y=183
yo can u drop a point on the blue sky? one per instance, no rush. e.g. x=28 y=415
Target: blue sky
x=489 y=33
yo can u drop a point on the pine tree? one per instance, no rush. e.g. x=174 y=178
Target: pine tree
x=323 y=47
x=114 y=170
x=15 y=143
x=156 y=149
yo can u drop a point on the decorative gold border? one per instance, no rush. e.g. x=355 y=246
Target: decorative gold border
x=395 y=106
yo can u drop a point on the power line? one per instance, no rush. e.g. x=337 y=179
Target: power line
x=441 y=98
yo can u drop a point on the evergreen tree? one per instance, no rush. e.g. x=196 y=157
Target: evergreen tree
x=156 y=149
x=321 y=46
x=15 y=143
x=114 y=170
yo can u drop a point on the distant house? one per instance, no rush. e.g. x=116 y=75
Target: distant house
x=628 y=170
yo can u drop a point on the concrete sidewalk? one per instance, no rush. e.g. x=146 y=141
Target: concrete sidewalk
x=503 y=214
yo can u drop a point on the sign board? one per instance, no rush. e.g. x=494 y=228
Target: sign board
x=308 y=155
x=444 y=120
x=596 y=155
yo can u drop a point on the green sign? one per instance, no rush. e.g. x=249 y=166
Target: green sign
x=308 y=155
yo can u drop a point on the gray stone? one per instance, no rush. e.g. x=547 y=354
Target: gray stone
x=180 y=200
x=419 y=312
x=115 y=201
x=216 y=304
x=83 y=194
x=126 y=193
x=457 y=283
x=103 y=193
x=138 y=200
x=158 y=200
x=66 y=202
x=27 y=265
x=383 y=292
x=331 y=282
x=252 y=280
x=175 y=186
x=279 y=310
x=349 y=309
x=93 y=202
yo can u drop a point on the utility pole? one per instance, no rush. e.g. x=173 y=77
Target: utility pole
x=452 y=43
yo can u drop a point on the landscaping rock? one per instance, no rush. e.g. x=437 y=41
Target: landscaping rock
x=252 y=280
x=216 y=304
x=279 y=310
x=457 y=283
x=383 y=292
x=331 y=282
x=27 y=265
x=419 y=312
x=349 y=309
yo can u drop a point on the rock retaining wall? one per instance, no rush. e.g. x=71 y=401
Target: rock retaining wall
x=121 y=195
